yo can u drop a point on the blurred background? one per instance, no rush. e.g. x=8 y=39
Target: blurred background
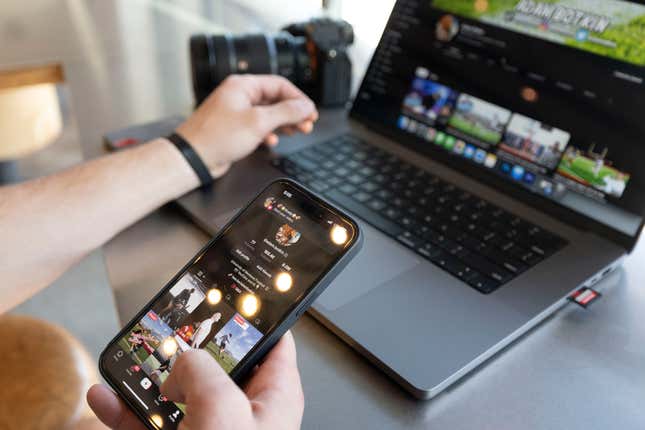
x=126 y=61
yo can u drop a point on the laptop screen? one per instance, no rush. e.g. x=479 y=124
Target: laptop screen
x=547 y=95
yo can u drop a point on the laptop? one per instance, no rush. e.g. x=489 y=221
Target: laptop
x=493 y=156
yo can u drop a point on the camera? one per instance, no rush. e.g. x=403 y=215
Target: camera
x=312 y=55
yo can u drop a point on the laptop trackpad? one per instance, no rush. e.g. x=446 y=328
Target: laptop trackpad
x=380 y=261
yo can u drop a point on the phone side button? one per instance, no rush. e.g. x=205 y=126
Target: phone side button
x=302 y=309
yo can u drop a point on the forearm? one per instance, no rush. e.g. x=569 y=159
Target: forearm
x=48 y=224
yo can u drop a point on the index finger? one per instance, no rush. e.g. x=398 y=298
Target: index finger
x=197 y=380
x=264 y=89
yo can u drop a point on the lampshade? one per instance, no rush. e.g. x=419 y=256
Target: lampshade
x=30 y=116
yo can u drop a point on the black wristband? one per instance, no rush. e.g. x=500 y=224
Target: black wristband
x=194 y=160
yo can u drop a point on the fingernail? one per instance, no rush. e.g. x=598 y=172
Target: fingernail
x=272 y=139
x=304 y=105
x=307 y=127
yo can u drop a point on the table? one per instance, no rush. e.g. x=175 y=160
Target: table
x=126 y=63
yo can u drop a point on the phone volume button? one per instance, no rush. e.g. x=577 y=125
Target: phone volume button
x=305 y=306
x=302 y=310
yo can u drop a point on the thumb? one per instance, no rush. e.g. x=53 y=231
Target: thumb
x=285 y=112
x=111 y=410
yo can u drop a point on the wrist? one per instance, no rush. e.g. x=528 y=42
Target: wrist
x=191 y=133
x=179 y=177
x=194 y=160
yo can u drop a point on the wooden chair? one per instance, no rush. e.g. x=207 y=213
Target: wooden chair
x=44 y=375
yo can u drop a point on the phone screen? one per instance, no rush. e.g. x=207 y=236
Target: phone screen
x=231 y=295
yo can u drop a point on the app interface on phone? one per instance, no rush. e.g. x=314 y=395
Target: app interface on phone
x=233 y=295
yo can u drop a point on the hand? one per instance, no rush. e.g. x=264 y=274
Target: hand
x=244 y=111
x=271 y=399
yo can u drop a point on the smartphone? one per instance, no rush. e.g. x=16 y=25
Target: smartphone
x=235 y=298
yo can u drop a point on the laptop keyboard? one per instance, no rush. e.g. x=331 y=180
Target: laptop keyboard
x=480 y=243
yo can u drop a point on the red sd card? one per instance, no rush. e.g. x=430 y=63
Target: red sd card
x=584 y=296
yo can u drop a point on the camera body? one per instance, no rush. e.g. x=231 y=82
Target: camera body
x=313 y=55
x=328 y=41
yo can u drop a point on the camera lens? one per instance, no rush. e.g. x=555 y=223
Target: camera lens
x=215 y=57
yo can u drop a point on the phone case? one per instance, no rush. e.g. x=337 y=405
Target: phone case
x=256 y=355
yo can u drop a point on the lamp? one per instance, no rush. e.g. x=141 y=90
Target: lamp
x=30 y=116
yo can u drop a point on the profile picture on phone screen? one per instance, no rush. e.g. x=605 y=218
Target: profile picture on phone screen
x=287 y=235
